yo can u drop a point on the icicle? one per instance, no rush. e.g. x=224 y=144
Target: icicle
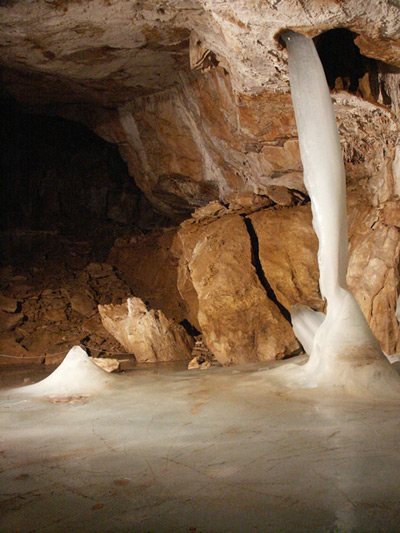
x=343 y=351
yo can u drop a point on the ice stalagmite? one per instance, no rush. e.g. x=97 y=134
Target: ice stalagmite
x=77 y=375
x=343 y=351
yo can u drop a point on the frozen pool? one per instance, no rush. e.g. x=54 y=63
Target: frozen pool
x=220 y=450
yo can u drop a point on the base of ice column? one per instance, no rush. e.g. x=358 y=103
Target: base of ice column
x=344 y=352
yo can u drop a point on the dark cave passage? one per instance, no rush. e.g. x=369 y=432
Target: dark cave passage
x=58 y=178
x=346 y=68
x=341 y=58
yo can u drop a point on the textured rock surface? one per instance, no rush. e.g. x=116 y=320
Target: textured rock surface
x=190 y=136
x=49 y=323
x=373 y=273
x=148 y=334
x=238 y=321
x=288 y=254
x=112 y=51
x=150 y=269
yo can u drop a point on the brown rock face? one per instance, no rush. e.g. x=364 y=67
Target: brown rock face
x=196 y=96
x=288 y=254
x=238 y=321
x=149 y=335
x=151 y=269
x=373 y=273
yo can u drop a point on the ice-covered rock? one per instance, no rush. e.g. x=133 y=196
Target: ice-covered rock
x=343 y=350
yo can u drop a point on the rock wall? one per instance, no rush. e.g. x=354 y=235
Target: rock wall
x=239 y=273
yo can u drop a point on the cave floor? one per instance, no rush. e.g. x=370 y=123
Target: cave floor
x=197 y=451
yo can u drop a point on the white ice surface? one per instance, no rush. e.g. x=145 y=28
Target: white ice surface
x=215 y=451
x=306 y=322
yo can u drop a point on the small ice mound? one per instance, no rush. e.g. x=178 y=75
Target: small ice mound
x=76 y=377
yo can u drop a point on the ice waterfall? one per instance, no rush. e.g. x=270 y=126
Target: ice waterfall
x=343 y=351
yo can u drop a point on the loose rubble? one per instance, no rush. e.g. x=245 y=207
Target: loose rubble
x=53 y=307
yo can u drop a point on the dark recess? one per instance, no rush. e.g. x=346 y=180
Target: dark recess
x=60 y=180
x=255 y=253
x=341 y=58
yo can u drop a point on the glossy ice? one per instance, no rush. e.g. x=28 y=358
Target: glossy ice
x=198 y=451
x=343 y=351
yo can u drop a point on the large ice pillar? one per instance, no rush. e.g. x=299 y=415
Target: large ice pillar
x=343 y=351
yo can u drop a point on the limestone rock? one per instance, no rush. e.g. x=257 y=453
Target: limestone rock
x=149 y=335
x=9 y=305
x=373 y=273
x=390 y=214
x=96 y=56
x=202 y=357
x=288 y=250
x=150 y=268
x=238 y=321
x=201 y=362
x=106 y=363
x=99 y=270
x=196 y=94
x=9 y=321
x=12 y=353
x=82 y=303
x=54 y=315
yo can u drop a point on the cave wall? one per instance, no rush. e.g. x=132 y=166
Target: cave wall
x=58 y=177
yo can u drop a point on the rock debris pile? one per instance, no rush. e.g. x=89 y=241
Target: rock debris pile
x=43 y=314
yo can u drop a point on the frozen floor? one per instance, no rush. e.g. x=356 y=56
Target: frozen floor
x=198 y=451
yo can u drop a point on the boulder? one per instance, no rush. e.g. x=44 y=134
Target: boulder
x=9 y=305
x=10 y=321
x=148 y=334
x=239 y=323
x=151 y=269
x=82 y=303
x=288 y=250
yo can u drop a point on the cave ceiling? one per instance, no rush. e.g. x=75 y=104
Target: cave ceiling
x=110 y=51
x=195 y=93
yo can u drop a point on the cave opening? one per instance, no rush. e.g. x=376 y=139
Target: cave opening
x=343 y=63
x=60 y=182
x=346 y=68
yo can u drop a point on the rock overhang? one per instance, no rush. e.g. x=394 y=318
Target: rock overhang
x=111 y=52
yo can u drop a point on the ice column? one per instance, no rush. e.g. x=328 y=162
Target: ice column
x=343 y=351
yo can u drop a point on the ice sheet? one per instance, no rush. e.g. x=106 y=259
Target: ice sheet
x=210 y=451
